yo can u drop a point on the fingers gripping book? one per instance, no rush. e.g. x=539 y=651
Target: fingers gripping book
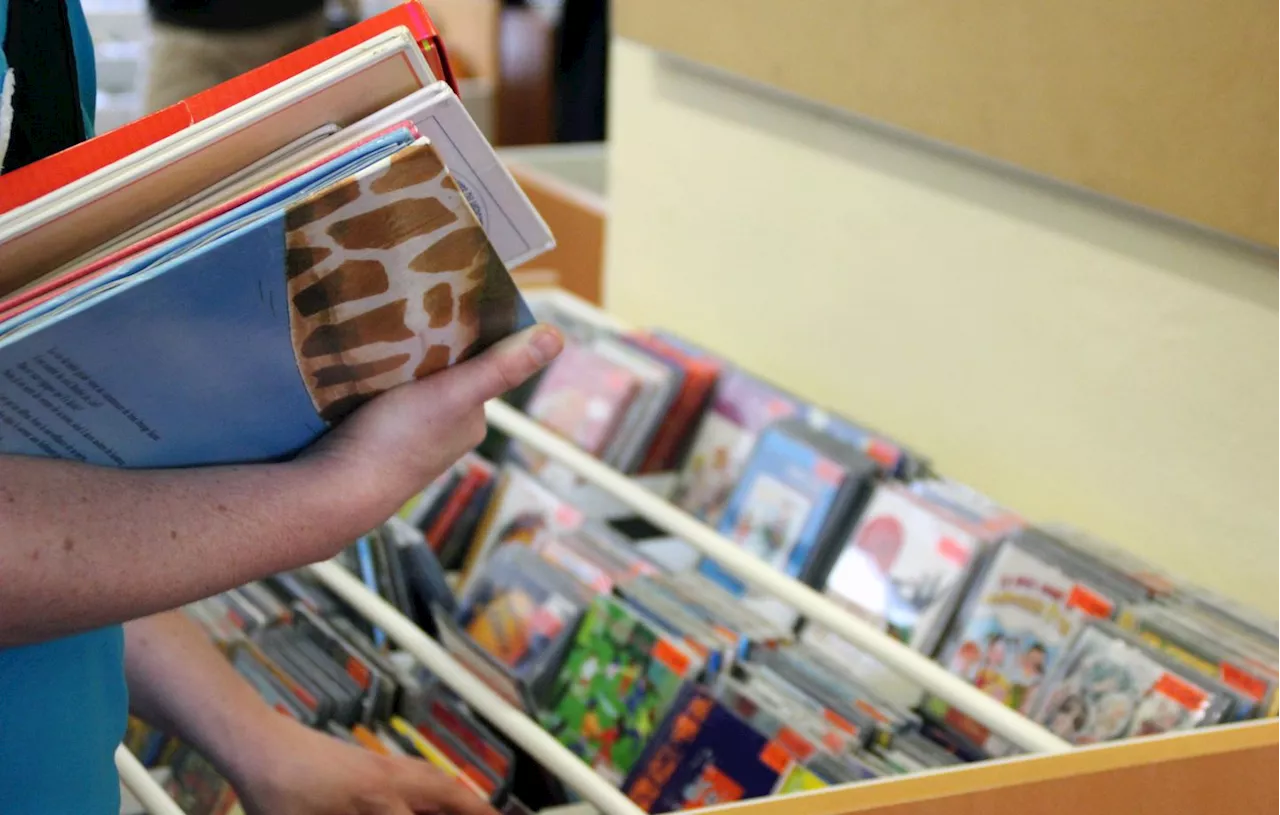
x=247 y=336
x=390 y=278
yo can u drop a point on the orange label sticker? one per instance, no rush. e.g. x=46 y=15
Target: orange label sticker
x=672 y=657
x=775 y=757
x=1181 y=691
x=796 y=744
x=833 y=743
x=871 y=710
x=839 y=722
x=1090 y=602
x=883 y=453
x=1248 y=684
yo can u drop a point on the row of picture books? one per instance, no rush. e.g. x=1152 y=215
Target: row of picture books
x=617 y=656
x=683 y=687
x=1073 y=632
x=314 y=659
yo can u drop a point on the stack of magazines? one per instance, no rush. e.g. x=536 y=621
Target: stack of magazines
x=224 y=279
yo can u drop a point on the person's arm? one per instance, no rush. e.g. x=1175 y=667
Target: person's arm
x=180 y=683
x=82 y=546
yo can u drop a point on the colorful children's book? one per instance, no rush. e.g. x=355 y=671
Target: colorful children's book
x=618 y=681
x=1249 y=675
x=905 y=565
x=741 y=407
x=704 y=755
x=584 y=397
x=363 y=274
x=522 y=509
x=797 y=494
x=1108 y=686
x=522 y=610
x=1022 y=610
x=658 y=381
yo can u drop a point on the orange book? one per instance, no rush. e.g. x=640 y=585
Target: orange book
x=42 y=177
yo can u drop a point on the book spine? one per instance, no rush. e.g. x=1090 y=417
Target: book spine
x=439 y=530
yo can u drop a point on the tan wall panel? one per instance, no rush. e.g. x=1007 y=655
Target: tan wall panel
x=1168 y=104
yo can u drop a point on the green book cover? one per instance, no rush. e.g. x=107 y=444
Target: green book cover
x=616 y=684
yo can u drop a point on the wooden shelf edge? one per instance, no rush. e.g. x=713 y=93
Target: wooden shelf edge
x=993 y=778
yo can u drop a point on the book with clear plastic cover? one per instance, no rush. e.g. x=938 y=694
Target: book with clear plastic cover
x=247 y=337
x=1108 y=686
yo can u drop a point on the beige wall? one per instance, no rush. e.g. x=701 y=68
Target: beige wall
x=1075 y=360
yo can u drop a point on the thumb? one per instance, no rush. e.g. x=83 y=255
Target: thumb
x=505 y=365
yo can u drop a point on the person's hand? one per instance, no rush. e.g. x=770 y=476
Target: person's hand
x=400 y=441
x=299 y=771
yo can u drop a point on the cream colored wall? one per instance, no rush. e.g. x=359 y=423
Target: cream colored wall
x=1074 y=360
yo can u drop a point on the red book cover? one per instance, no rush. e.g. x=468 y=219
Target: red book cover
x=700 y=377
x=43 y=177
x=475 y=478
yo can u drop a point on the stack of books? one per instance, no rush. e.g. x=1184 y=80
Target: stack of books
x=224 y=279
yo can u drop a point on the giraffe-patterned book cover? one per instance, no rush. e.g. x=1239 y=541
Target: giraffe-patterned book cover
x=250 y=335
x=391 y=278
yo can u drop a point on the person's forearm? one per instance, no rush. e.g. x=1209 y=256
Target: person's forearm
x=180 y=683
x=82 y=547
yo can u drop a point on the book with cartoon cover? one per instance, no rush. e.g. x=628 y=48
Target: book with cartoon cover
x=1108 y=686
x=1019 y=615
x=704 y=755
x=261 y=328
x=905 y=565
x=521 y=509
x=1213 y=653
x=618 y=681
x=797 y=492
x=741 y=407
x=584 y=396
x=659 y=381
x=522 y=610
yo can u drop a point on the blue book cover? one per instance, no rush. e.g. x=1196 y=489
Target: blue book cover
x=781 y=506
x=248 y=336
x=704 y=755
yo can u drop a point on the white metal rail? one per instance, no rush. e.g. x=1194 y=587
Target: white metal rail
x=145 y=788
x=756 y=573
x=522 y=730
